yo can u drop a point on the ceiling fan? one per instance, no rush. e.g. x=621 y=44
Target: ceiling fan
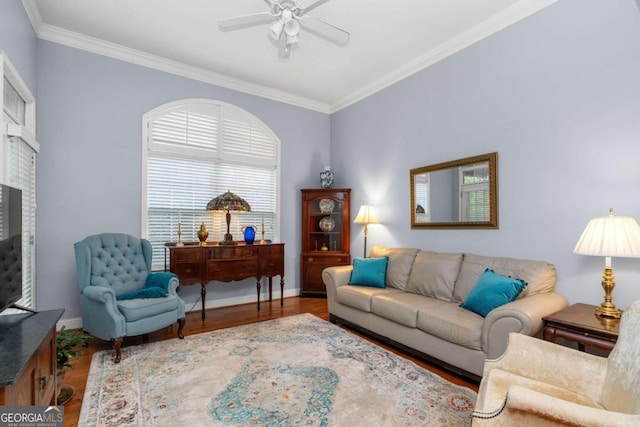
x=286 y=17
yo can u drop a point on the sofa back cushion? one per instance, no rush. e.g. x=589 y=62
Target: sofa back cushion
x=539 y=275
x=434 y=274
x=398 y=266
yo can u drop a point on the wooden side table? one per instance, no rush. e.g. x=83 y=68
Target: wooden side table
x=579 y=323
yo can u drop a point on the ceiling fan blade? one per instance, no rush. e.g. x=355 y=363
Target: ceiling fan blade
x=324 y=30
x=245 y=21
x=307 y=5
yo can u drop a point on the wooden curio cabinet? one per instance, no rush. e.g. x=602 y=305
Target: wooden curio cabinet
x=325 y=235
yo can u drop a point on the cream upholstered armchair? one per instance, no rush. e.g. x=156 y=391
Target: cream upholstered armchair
x=538 y=383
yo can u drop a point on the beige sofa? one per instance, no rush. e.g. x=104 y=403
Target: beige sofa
x=418 y=309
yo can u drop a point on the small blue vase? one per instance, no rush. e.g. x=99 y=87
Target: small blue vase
x=249 y=235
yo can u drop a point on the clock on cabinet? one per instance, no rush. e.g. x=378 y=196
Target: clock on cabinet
x=325 y=235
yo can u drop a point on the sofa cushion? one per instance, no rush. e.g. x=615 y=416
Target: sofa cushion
x=400 y=307
x=399 y=266
x=539 y=275
x=451 y=323
x=369 y=272
x=434 y=274
x=492 y=291
x=360 y=296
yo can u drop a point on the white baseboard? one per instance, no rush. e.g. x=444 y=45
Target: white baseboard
x=76 y=322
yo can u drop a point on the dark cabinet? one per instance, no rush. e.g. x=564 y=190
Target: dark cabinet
x=325 y=235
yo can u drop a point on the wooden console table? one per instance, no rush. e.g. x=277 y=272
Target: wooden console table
x=579 y=323
x=28 y=358
x=195 y=264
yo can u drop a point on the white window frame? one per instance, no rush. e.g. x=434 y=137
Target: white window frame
x=13 y=132
x=423 y=197
x=204 y=154
x=470 y=188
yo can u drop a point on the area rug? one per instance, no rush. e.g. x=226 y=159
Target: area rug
x=292 y=371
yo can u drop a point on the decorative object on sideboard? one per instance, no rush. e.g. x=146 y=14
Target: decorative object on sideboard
x=326 y=178
x=179 y=242
x=249 y=234
x=366 y=215
x=326 y=205
x=327 y=224
x=228 y=202
x=202 y=234
x=610 y=236
x=262 y=241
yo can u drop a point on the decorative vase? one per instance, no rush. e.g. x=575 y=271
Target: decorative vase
x=326 y=178
x=203 y=234
x=249 y=234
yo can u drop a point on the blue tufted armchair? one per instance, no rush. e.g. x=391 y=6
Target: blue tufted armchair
x=119 y=295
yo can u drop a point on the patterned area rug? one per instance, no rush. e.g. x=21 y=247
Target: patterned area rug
x=293 y=371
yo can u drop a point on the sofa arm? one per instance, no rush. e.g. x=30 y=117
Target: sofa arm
x=333 y=278
x=522 y=315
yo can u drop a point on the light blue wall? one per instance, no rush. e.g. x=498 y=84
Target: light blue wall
x=557 y=96
x=18 y=40
x=90 y=110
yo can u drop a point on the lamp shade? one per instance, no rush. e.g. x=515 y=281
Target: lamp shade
x=228 y=202
x=610 y=236
x=366 y=215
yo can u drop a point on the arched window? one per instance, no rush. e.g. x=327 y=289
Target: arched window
x=195 y=150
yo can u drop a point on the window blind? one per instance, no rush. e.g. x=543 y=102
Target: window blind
x=22 y=175
x=197 y=152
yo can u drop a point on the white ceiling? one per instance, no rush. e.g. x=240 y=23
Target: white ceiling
x=389 y=41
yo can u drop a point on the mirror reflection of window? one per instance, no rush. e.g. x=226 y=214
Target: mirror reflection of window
x=422 y=193
x=474 y=192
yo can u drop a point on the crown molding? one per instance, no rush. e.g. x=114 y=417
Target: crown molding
x=33 y=13
x=491 y=26
x=80 y=41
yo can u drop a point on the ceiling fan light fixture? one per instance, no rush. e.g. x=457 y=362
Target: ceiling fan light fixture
x=275 y=29
x=292 y=28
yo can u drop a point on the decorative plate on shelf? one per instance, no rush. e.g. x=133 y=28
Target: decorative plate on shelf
x=327 y=224
x=326 y=205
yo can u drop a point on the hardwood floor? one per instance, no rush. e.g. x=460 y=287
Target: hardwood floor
x=219 y=318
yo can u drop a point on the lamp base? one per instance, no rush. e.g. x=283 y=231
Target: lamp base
x=608 y=311
x=608 y=308
x=228 y=240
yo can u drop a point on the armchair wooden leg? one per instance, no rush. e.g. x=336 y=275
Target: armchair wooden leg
x=117 y=343
x=180 y=327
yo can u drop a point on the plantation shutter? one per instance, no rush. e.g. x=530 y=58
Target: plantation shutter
x=197 y=152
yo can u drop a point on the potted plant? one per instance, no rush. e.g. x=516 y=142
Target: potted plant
x=67 y=346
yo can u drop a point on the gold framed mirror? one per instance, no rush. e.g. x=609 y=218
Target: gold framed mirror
x=461 y=193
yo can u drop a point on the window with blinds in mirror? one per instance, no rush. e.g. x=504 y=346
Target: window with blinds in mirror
x=196 y=150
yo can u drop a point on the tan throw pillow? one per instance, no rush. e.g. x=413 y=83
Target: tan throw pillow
x=399 y=265
x=434 y=274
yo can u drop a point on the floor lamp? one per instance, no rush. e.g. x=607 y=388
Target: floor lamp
x=366 y=216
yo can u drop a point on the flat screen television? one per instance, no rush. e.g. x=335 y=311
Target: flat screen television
x=10 y=246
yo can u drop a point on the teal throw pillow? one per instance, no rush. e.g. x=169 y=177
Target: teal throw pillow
x=369 y=272
x=491 y=291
